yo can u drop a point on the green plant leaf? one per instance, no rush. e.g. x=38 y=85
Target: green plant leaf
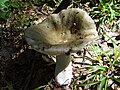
x=102 y=83
x=106 y=85
x=116 y=79
x=90 y=83
x=117 y=63
x=90 y=77
x=103 y=68
x=3 y=15
x=2 y=2
x=116 y=53
x=97 y=50
x=15 y=5
x=9 y=86
x=40 y=87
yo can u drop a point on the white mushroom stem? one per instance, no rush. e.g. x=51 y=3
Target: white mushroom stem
x=63 y=71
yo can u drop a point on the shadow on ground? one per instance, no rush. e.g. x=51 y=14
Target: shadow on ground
x=29 y=71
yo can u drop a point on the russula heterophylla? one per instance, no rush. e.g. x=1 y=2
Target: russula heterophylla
x=62 y=34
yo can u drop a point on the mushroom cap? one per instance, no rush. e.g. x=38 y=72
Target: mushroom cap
x=68 y=31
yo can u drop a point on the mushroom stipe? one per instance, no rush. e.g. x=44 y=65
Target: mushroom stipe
x=62 y=34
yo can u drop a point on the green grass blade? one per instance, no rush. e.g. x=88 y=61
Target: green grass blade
x=101 y=68
x=102 y=83
x=40 y=87
x=106 y=85
x=116 y=79
x=90 y=83
x=90 y=77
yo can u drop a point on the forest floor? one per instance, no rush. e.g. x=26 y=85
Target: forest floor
x=22 y=68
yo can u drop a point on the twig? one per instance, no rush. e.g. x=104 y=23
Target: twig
x=63 y=5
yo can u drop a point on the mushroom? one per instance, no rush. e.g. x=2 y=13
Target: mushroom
x=60 y=35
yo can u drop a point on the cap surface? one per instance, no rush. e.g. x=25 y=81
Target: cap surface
x=68 y=31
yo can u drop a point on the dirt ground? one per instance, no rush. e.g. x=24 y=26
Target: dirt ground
x=29 y=71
